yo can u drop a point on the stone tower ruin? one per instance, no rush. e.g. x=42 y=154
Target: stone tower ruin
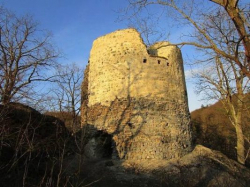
x=137 y=95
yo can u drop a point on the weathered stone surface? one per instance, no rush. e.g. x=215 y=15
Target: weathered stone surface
x=137 y=95
x=202 y=167
x=120 y=66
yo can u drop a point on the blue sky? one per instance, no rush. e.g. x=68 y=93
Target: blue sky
x=75 y=24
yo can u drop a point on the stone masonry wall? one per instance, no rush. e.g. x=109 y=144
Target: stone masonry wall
x=137 y=95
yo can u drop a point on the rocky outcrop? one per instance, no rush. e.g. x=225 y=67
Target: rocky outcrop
x=202 y=167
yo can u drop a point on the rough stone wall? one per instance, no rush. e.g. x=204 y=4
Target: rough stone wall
x=138 y=95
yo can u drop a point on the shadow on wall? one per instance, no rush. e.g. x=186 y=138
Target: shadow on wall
x=148 y=127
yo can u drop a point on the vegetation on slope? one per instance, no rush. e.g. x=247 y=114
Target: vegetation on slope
x=32 y=147
x=212 y=128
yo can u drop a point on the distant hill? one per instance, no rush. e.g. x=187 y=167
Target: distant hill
x=212 y=128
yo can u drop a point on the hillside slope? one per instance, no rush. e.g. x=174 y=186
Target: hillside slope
x=32 y=146
x=212 y=128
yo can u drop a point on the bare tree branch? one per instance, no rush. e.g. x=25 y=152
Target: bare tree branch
x=22 y=55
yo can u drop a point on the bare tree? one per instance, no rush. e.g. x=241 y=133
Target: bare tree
x=67 y=92
x=25 y=51
x=241 y=23
x=190 y=12
x=226 y=71
x=225 y=82
x=221 y=78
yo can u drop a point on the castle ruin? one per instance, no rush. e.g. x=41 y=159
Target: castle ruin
x=138 y=96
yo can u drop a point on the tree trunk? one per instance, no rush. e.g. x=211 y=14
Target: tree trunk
x=240 y=144
x=236 y=119
x=231 y=7
x=238 y=116
x=5 y=99
x=236 y=112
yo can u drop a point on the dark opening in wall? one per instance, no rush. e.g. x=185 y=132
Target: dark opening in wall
x=100 y=145
x=130 y=125
x=167 y=63
x=144 y=60
x=159 y=61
